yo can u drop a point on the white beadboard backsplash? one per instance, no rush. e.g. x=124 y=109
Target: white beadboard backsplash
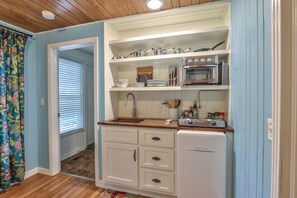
x=149 y=104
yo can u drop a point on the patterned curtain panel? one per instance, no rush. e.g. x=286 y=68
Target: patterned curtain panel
x=12 y=167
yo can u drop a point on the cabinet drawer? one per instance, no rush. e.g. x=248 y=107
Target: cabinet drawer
x=159 y=137
x=160 y=158
x=120 y=134
x=156 y=180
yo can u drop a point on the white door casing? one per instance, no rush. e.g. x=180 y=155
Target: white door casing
x=53 y=127
x=293 y=182
x=276 y=99
x=284 y=95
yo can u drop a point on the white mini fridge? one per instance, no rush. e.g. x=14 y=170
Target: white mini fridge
x=201 y=164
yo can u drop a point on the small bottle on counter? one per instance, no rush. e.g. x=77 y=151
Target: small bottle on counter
x=186 y=113
x=190 y=112
x=222 y=115
x=195 y=110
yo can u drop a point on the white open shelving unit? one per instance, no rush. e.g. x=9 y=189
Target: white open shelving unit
x=173 y=38
x=167 y=58
x=182 y=38
x=173 y=88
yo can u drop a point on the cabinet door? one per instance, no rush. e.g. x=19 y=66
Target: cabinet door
x=120 y=163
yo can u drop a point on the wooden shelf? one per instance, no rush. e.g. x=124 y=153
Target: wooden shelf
x=168 y=58
x=175 y=88
x=173 y=39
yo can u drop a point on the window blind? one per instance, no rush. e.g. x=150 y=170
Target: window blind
x=70 y=95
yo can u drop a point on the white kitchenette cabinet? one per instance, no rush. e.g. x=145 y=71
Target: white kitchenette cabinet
x=120 y=155
x=139 y=157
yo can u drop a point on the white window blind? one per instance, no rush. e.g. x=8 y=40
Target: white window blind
x=70 y=95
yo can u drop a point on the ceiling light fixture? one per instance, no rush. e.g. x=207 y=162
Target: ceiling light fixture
x=154 y=4
x=48 y=15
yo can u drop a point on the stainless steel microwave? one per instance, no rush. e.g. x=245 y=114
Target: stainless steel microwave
x=204 y=71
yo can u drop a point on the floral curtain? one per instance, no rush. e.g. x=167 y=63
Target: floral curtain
x=12 y=165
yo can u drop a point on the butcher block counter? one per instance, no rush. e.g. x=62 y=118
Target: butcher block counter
x=160 y=123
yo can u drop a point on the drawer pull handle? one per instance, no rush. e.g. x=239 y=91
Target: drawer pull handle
x=156 y=158
x=156 y=181
x=134 y=155
x=156 y=138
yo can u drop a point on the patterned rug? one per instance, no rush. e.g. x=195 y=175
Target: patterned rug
x=117 y=194
x=81 y=164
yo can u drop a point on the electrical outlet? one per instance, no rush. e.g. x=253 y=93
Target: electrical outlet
x=269 y=129
x=202 y=109
x=42 y=101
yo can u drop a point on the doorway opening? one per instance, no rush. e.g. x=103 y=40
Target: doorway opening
x=76 y=111
x=72 y=135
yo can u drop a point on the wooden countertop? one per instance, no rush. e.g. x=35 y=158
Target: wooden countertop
x=160 y=123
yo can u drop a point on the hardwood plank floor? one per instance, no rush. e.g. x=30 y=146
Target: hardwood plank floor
x=59 y=186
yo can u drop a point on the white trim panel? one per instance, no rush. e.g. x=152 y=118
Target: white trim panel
x=276 y=96
x=293 y=182
x=35 y=171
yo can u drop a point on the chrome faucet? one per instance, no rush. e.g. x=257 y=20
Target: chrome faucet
x=134 y=103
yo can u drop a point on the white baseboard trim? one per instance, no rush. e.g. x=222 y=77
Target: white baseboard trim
x=35 y=171
x=31 y=172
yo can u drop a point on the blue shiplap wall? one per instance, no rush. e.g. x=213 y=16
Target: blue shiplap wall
x=31 y=133
x=251 y=96
x=43 y=39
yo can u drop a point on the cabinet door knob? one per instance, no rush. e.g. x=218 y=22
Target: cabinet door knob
x=134 y=155
x=156 y=138
x=156 y=158
x=156 y=181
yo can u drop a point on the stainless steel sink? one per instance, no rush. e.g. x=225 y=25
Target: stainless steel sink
x=127 y=120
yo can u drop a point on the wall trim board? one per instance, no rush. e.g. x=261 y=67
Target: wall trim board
x=276 y=98
x=293 y=183
x=31 y=172
x=35 y=171
x=284 y=163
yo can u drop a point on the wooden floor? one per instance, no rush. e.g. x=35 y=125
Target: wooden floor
x=42 y=186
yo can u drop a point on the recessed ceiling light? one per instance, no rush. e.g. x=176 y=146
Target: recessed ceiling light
x=48 y=15
x=154 y=4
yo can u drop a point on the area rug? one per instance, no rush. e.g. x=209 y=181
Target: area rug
x=118 y=194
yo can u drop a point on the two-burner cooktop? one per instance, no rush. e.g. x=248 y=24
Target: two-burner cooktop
x=213 y=123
